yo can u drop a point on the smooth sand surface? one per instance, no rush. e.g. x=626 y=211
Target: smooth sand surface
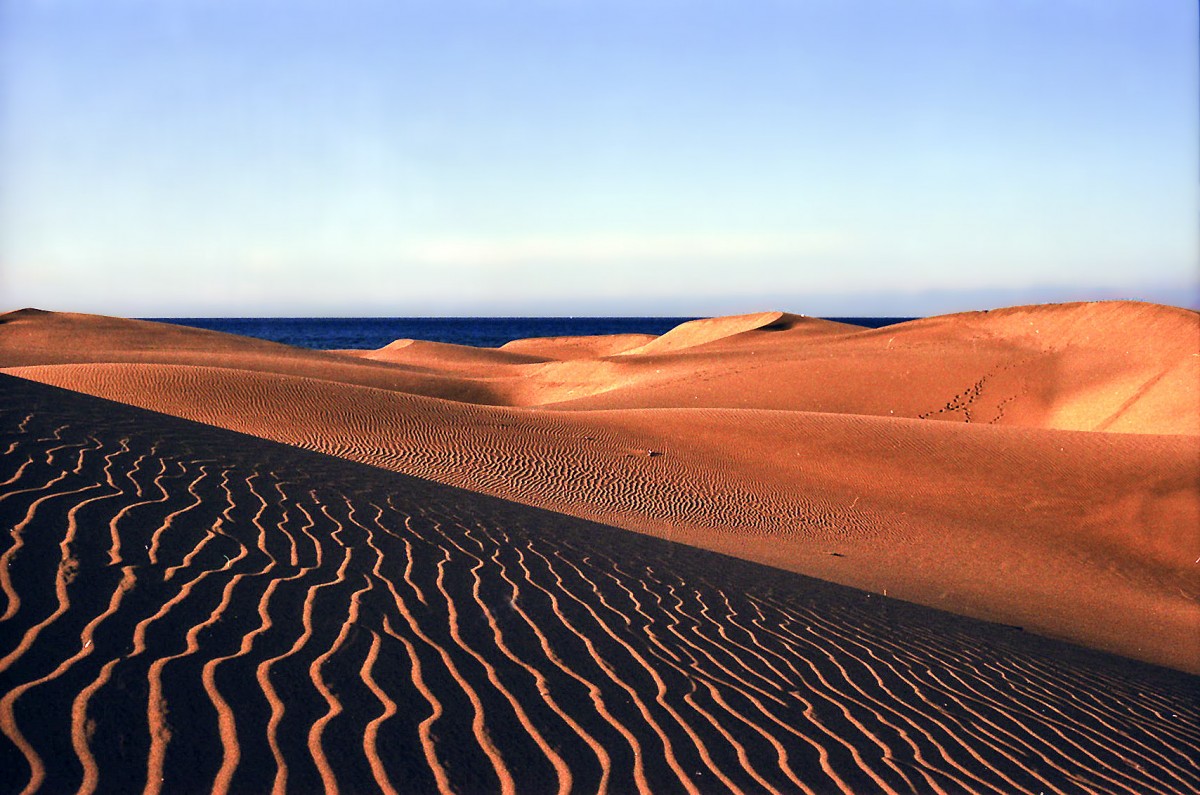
x=191 y=609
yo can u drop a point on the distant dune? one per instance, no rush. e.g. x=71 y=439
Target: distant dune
x=1037 y=467
x=1113 y=366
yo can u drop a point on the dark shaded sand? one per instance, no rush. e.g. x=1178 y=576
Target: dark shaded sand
x=1036 y=466
x=188 y=608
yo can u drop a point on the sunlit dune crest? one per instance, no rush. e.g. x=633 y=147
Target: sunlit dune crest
x=191 y=602
x=560 y=348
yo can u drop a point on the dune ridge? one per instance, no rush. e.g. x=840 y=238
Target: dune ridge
x=697 y=333
x=653 y=665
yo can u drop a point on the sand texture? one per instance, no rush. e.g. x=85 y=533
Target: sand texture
x=411 y=569
x=188 y=608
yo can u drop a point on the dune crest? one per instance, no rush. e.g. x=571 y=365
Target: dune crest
x=442 y=354
x=566 y=348
x=696 y=333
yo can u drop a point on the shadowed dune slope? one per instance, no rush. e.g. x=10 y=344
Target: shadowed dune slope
x=189 y=608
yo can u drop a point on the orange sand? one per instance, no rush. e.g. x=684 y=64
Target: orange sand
x=1037 y=466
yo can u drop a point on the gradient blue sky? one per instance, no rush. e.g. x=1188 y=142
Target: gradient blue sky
x=256 y=157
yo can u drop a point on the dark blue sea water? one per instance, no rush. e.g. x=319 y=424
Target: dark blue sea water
x=331 y=333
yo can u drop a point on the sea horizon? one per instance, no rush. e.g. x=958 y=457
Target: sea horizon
x=331 y=333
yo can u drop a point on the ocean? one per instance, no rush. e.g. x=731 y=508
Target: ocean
x=332 y=333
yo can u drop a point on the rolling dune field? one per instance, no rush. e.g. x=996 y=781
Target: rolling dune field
x=190 y=609
x=985 y=463
x=756 y=553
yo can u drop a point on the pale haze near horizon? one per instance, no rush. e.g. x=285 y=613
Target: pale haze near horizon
x=555 y=158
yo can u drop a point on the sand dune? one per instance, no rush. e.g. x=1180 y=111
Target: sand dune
x=565 y=348
x=1112 y=366
x=705 y=331
x=191 y=608
x=441 y=355
x=33 y=337
x=766 y=437
x=883 y=494
x=1121 y=367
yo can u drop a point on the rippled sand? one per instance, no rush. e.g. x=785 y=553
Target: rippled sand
x=196 y=606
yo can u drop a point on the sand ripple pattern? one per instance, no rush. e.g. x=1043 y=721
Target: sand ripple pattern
x=191 y=609
x=589 y=465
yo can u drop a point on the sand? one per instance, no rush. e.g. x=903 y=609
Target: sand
x=465 y=513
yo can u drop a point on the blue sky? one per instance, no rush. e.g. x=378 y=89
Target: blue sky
x=255 y=157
